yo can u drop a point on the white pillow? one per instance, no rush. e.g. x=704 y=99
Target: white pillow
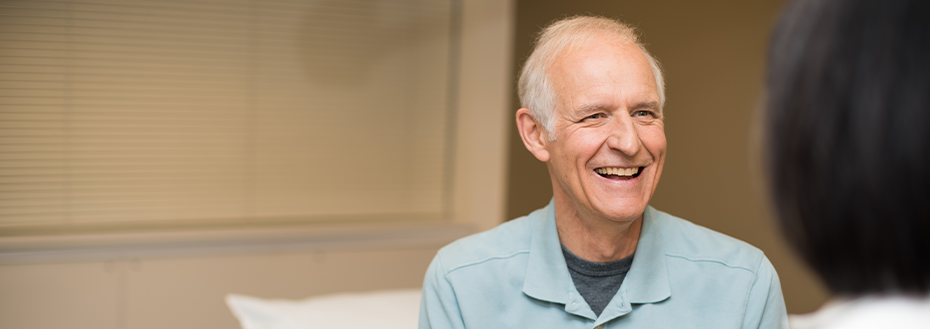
x=379 y=309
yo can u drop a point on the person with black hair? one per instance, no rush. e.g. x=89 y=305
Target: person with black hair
x=848 y=154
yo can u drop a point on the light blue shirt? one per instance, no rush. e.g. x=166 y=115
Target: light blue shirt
x=683 y=276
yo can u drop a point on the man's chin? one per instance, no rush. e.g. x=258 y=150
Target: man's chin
x=623 y=213
x=621 y=206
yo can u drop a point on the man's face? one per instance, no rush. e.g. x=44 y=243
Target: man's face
x=610 y=135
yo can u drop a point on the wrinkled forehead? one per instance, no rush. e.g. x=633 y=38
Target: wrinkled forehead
x=568 y=44
x=613 y=63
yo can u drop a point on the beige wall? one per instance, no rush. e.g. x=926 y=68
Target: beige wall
x=713 y=56
x=162 y=279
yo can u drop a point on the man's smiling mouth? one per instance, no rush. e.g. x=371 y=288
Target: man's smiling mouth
x=619 y=173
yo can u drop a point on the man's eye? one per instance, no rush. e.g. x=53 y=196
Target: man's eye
x=642 y=113
x=595 y=116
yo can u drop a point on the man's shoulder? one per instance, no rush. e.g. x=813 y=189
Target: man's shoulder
x=503 y=242
x=686 y=240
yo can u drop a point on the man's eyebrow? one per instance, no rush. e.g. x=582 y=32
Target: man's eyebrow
x=586 y=108
x=646 y=105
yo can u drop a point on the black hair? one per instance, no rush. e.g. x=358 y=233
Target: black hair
x=848 y=140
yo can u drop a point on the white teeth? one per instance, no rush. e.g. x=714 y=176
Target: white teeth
x=617 y=171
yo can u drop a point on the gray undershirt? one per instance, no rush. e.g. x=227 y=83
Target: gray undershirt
x=596 y=282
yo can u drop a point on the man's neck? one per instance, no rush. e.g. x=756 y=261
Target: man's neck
x=595 y=238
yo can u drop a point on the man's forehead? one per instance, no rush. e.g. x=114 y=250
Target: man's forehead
x=606 y=49
x=594 y=39
x=598 y=69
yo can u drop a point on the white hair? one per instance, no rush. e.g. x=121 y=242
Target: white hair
x=535 y=88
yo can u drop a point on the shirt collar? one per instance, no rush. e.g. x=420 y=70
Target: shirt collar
x=547 y=275
x=647 y=281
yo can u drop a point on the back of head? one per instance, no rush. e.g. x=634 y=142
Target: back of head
x=848 y=140
x=535 y=88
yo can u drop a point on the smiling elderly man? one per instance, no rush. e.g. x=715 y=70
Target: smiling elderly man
x=598 y=256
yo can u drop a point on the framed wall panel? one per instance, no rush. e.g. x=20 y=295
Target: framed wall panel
x=120 y=116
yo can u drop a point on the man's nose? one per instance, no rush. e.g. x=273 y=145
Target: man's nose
x=623 y=136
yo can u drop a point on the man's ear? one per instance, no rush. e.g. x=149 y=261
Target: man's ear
x=533 y=134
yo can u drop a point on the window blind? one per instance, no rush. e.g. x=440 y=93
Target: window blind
x=121 y=114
